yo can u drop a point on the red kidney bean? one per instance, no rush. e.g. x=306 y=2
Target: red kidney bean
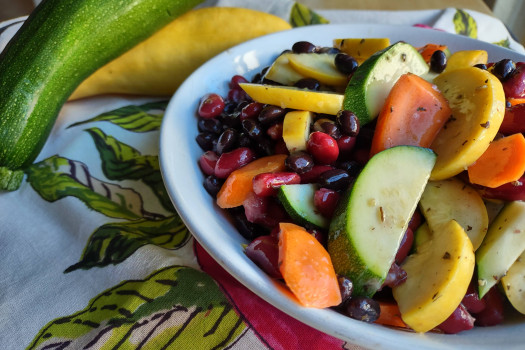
x=314 y=174
x=460 y=320
x=211 y=106
x=514 y=120
x=492 y=314
x=264 y=252
x=416 y=220
x=346 y=145
x=231 y=161
x=325 y=201
x=235 y=80
x=405 y=246
x=265 y=211
x=471 y=300
x=512 y=191
x=207 y=162
x=275 y=131
x=280 y=147
x=514 y=86
x=251 y=110
x=396 y=275
x=322 y=147
x=266 y=184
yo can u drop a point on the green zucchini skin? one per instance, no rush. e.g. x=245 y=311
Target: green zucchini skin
x=60 y=44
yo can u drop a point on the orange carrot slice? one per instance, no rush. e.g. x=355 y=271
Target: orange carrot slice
x=501 y=163
x=413 y=114
x=390 y=314
x=515 y=101
x=307 y=268
x=238 y=185
x=427 y=50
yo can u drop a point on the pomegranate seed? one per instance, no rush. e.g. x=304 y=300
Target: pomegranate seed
x=264 y=252
x=211 y=106
x=314 y=175
x=251 y=110
x=405 y=246
x=325 y=201
x=346 y=144
x=207 y=162
x=231 y=161
x=235 y=80
x=323 y=147
x=266 y=184
x=275 y=131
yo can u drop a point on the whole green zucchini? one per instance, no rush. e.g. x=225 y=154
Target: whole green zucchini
x=60 y=44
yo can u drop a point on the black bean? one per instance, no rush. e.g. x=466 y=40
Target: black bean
x=212 y=125
x=346 y=64
x=245 y=140
x=212 y=185
x=328 y=49
x=271 y=114
x=363 y=309
x=206 y=140
x=227 y=141
x=299 y=162
x=248 y=230
x=328 y=127
x=504 y=69
x=352 y=167
x=232 y=119
x=481 y=66
x=335 y=179
x=438 y=61
x=308 y=83
x=303 y=47
x=348 y=123
x=252 y=129
x=346 y=286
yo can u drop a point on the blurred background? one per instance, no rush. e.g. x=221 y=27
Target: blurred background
x=511 y=12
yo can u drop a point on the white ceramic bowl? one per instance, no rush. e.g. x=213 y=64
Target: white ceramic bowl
x=179 y=153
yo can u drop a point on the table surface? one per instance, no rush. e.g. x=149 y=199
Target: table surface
x=11 y=9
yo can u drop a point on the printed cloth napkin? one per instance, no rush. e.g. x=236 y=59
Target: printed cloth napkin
x=93 y=253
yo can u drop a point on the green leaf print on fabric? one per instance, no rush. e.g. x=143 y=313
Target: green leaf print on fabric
x=503 y=43
x=173 y=308
x=115 y=242
x=465 y=24
x=301 y=15
x=143 y=118
x=56 y=177
x=122 y=162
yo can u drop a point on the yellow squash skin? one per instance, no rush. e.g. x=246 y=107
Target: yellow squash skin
x=320 y=66
x=477 y=101
x=295 y=98
x=438 y=275
x=161 y=63
x=466 y=58
x=361 y=48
